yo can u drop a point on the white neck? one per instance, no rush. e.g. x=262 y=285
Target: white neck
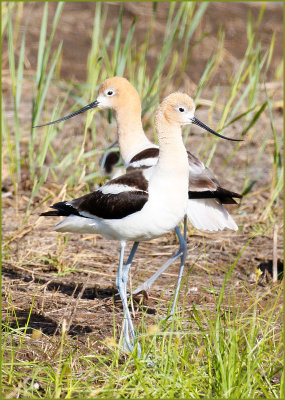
x=172 y=152
x=131 y=136
x=169 y=179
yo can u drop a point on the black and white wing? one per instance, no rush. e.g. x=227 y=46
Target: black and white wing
x=115 y=200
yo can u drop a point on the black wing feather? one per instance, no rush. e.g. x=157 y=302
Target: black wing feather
x=225 y=196
x=63 y=209
x=107 y=206
x=110 y=206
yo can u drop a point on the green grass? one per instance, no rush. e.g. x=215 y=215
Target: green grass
x=229 y=352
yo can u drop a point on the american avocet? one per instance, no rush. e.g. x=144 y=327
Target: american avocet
x=140 y=205
x=206 y=197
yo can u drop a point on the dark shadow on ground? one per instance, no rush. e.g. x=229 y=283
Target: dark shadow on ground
x=47 y=325
x=67 y=288
x=267 y=267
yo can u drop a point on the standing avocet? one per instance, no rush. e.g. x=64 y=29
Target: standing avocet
x=206 y=197
x=140 y=205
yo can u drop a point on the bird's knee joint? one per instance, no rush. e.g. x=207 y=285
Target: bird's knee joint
x=124 y=279
x=183 y=246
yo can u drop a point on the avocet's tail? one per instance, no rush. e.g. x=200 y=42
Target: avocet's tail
x=209 y=215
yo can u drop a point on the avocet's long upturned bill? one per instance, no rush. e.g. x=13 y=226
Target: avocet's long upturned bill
x=206 y=197
x=141 y=205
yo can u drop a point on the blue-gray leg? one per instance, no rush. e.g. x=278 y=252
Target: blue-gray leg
x=129 y=263
x=120 y=287
x=182 y=263
x=128 y=327
x=121 y=281
x=185 y=229
x=182 y=250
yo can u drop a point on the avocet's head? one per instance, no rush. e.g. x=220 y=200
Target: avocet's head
x=178 y=109
x=116 y=94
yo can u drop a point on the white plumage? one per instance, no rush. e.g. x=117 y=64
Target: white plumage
x=209 y=215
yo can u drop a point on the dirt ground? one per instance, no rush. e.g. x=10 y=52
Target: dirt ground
x=83 y=293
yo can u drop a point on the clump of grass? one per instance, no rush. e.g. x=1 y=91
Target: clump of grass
x=45 y=69
x=16 y=78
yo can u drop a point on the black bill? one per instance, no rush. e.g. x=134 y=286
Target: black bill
x=199 y=123
x=94 y=104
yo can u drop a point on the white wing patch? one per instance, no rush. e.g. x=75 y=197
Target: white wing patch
x=146 y=162
x=117 y=188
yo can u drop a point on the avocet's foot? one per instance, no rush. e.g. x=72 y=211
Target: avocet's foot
x=167 y=318
x=139 y=297
x=129 y=347
x=128 y=338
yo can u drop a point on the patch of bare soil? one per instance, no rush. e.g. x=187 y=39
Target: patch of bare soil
x=84 y=293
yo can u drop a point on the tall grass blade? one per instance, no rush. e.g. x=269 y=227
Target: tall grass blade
x=39 y=106
x=254 y=119
x=42 y=42
x=118 y=36
x=20 y=72
x=16 y=79
x=125 y=52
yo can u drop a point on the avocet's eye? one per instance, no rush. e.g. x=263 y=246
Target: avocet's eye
x=181 y=109
x=110 y=92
